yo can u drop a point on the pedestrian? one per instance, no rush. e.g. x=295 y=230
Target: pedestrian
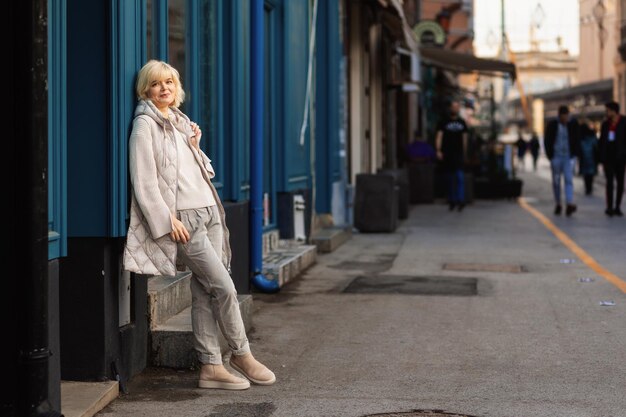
x=588 y=165
x=451 y=146
x=177 y=213
x=612 y=155
x=562 y=146
x=522 y=147
x=534 y=147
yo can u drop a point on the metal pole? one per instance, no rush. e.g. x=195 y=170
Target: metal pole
x=505 y=80
x=256 y=149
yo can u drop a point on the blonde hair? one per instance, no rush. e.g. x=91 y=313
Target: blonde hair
x=155 y=70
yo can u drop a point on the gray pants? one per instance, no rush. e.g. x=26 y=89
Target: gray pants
x=214 y=298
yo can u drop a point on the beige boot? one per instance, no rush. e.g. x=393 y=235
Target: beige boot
x=217 y=377
x=252 y=369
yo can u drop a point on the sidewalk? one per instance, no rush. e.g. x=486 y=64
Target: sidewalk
x=414 y=333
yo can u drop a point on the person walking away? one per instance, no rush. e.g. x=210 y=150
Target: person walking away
x=588 y=165
x=562 y=146
x=451 y=146
x=612 y=155
x=176 y=213
x=534 y=149
x=521 y=151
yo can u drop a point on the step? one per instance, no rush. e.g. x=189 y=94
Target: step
x=168 y=296
x=172 y=341
x=271 y=239
x=85 y=399
x=288 y=260
x=329 y=239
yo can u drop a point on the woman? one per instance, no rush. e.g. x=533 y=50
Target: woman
x=177 y=214
x=588 y=160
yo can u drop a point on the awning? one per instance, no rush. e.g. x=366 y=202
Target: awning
x=465 y=63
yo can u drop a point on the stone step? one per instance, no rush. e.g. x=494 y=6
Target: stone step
x=172 y=341
x=168 y=296
x=271 y=239
x=330 y=238
x=86 y=399
x=288 y=260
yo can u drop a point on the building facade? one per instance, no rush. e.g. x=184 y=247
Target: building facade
x=598 y=39
x=96 y=312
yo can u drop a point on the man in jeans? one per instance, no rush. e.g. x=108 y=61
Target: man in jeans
x=562 y=146
x=612 y=152
x=451 y=145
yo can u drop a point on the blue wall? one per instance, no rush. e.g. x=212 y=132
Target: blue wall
x=327 y=103
x=100 y=100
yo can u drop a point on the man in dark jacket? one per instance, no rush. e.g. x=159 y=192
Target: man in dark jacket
x=612 y=156
x=562 y=146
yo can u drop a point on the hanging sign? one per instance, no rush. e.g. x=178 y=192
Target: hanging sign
x=430 y=33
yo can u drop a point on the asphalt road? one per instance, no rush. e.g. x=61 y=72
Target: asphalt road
x=535 y=343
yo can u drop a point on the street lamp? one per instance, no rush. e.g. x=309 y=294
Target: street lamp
x=599 y=12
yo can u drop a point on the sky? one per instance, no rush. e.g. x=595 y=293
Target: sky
x=560 y=19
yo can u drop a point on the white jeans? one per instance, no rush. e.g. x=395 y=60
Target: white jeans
x=214 y=298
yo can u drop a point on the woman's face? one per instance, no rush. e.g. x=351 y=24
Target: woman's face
x=162 y=92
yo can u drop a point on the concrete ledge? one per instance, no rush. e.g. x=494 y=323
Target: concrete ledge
x=330 y=238
x=270 y=241
x=85 y=399
x=167 y=296
x=288 y=260
x=172 y=341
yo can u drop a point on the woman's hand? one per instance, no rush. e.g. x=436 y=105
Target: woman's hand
x=179 y=233
x=195 y=140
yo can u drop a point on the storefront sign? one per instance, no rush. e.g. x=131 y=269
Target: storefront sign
x=430 y=33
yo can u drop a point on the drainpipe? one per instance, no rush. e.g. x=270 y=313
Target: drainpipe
x=256 y=150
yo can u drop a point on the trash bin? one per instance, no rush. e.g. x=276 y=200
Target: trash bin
x=402 y=181
x=421 y=182
x=376 y=203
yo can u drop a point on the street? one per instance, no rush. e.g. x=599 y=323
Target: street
x=480 y=313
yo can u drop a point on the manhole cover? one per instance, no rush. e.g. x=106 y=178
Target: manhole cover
x=413 y=285
x=472 y=267
x=420 y=413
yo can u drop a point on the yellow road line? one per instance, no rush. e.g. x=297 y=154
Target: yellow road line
x=573 y=246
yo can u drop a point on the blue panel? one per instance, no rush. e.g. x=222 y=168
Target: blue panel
x=57 y=130
x=192 y=57
x=236 y=99
x=327 y=100
x=296 y=158
x=159 y=30
x=87 y=118
x=322 y=111
x=127 y=40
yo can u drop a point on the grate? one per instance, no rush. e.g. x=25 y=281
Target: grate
x=475 y=267
x=413 y=285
